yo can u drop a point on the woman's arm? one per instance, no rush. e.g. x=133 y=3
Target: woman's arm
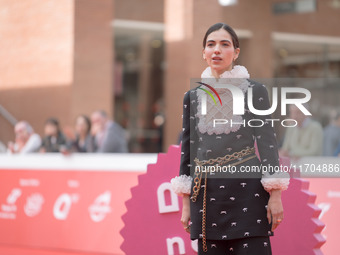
x=273 y=181
x=182 y=184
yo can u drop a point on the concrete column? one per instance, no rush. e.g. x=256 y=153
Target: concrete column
x=92 y=88
x=144 y=84
x=178 y=33
x=257 y=51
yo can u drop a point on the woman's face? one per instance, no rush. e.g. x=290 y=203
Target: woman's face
x=219 y=51
x=51 y=130
x=81 y=126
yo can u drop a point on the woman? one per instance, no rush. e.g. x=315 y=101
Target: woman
x=228 y=214
x=84 y=141
x=54 y=140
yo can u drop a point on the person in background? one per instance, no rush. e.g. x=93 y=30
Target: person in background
x=26 y=141
x=337 y=151
x=331 y=136
x=109 y=136
x=54 y=140
x=303 y=140
x=2 y=148
x=159 y=122
x=84 y=140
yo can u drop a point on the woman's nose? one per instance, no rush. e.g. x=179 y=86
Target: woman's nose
x=217 y=49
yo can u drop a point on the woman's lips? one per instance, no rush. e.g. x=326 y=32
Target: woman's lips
x=216 y=59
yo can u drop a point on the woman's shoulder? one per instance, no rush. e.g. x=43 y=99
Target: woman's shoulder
x=256 y=84
x=189 y=94
x=258 y=87
x=192 y=91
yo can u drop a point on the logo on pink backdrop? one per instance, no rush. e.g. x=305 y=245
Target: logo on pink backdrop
x=33 y=204
x=9 y=209
x=100 y=207
x=152 y=221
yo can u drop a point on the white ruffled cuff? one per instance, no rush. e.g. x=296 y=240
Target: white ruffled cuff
x=181 y=184
x=278 y=180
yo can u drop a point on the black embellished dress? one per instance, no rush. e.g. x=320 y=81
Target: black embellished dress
x=235 y=207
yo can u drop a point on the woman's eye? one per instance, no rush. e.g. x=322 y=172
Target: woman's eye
x=210 y=44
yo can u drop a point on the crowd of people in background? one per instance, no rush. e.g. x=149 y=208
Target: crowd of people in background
x=331 y=144
x=98 y=133
x=303 y=140
x=92 y=134
x=308 y=138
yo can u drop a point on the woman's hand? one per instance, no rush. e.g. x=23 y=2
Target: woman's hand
x=275 y=208
x=186 y=213
x=11 y=147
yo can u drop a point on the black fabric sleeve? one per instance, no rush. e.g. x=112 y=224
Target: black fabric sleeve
x=265 y=135
x=182 y=184
x=185 y=148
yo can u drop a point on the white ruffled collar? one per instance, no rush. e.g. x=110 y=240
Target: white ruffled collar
x=238 y=71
